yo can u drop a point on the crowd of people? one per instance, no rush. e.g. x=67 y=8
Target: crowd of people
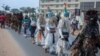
x=54 y=33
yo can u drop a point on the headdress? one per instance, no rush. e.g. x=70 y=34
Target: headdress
x=66 y=13
x=50 y=13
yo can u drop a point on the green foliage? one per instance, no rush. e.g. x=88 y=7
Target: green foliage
x=15 y=10
x=27 y=10
x=6 y=7
x=33 y=17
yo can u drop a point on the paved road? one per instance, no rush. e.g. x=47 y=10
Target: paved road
x=26 y=44
x=8 y=46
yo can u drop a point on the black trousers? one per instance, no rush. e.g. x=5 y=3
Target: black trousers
x=33 y=28
x=2 y=24
x=52 y=30
x=53 y=38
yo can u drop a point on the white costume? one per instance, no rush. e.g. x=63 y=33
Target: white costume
x=63 y=28
x=50 y=31
x=64 y=31
x=50 y=38
x=40 y=34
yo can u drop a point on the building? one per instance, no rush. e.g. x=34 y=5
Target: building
x=89 y=4
x=58 y=5
x=74 y=6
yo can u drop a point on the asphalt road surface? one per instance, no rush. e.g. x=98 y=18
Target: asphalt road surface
x=27 y=46
x=24 y=44
x=8 y=46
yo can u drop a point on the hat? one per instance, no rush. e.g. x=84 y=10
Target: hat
x=50 y=13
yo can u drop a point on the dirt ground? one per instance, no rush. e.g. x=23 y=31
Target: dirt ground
x=9 y=47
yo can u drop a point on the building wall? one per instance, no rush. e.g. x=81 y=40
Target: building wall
x=73 y=5
x=89 y=4
x=58 y=5
x=88 y=0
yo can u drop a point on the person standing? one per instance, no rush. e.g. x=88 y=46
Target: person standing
x=26 y=24
x=63 y=42
x=2 y=20
x=40 y=29
x=20 y=18
x=51 y=30
x=58 y=17
x=32 y=29
x=74 y=25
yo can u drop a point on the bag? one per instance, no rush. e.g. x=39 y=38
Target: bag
x=39 y=36
x=65 y=35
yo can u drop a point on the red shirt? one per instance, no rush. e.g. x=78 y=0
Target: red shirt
x=2 y=18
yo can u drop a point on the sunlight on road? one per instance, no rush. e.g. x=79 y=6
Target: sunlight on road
x=8 y=47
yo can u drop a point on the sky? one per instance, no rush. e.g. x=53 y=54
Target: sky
x=20 y=3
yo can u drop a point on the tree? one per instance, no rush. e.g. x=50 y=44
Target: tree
x=31 y=10
x=6 y=7
x=15 y=10
x=24 y=10
x=27 y=9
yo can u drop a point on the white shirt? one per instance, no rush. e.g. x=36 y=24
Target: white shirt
x=61 y=24
x=48 y=26
x=39 y=24
x=33 y=23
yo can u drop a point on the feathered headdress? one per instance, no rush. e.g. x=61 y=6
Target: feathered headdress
x=66 y=13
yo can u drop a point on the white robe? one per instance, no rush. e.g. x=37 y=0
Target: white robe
x=37 y=40
x=61 y=43
x=60 y=26
x=49 y=36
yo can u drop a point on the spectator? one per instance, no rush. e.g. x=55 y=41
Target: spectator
x=74 y=25
x=32 y=29
x=2 y=21
x=26 y=24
